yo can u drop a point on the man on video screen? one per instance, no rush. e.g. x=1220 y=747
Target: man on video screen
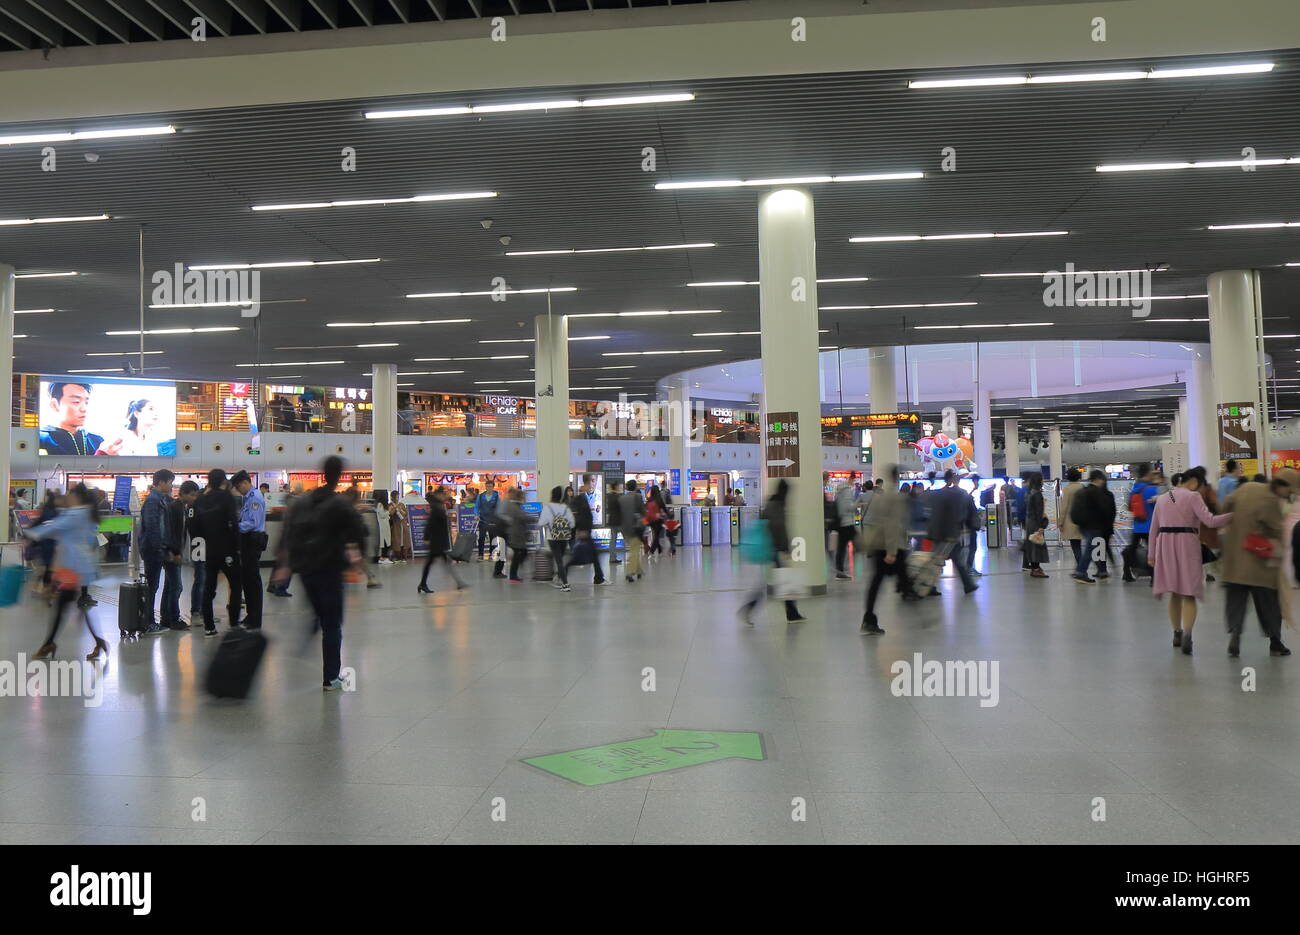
x=67 y=435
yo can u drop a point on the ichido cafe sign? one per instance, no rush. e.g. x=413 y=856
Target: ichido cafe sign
x=781 y=446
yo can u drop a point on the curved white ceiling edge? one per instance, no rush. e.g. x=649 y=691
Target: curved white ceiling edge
x=947 y=371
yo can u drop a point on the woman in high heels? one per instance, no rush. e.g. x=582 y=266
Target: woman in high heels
x=437 y=538
x=74 y=529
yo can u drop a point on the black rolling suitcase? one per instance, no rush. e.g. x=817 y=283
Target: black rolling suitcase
x=231 y=672
x=132 y=615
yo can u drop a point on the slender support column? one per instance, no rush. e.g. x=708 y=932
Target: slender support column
x=552 y=381
x=1236 y=353
x=984 y=433
x=1011 y=428
x=787 y=272
x=1055 y=460
x=6 y=368
x=679 y=431
x=384 y=422
x=1202 y=426
x=883 y=384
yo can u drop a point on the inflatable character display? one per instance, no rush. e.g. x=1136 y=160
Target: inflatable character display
x=941 y=453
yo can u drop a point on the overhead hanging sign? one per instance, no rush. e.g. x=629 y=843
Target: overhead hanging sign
x=781 y=447
x=1238 y=427
x=873 y=420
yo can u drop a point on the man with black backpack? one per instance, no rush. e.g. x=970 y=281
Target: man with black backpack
x=318 y=533
x=215 y=530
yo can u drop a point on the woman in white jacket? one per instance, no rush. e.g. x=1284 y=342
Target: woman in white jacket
x=557 y=524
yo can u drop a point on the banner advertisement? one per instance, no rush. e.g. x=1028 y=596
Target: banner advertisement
x=107 y=416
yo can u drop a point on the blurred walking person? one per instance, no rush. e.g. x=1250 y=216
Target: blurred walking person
x=437 y=539
x=631 y=513
x=178 y=511
x=75 y=529
x=1092 y=512
x=216 y=526
x=1249 y=543
x=952 y=517
x=774 y=515
x=1035 y=526
x=584 y=547
x=884 y=539
x=557 y=524
x=655 y=515
x=1070 y=530
x=846 y=526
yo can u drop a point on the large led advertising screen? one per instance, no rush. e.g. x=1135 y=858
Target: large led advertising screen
x=107 y=416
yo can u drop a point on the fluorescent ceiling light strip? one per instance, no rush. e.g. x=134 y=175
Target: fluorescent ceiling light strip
x=1019 y=324
x=456 y=295
x=791 y=180
x=1251 y=68
x=32 y=311
x=9 y=222
x=670 y=246
x=723 y=334
x=453 y=196
x=1211 y=164
x=425 y=373
x=709 y=311
x=754 y=282
x=1077 y=272
x=172 y=331
x=851 y=308
x=283 y=265
x=1269 y=225
x=897 y=238
x=391 y=324
x=98 y=370
x=1138 y=298
x=64 y=137
x=711 y=350
x=296 y=363
x=566 y=104
x=43 y=275
x=120 y=353
x=1177 y=320
x=477 y=382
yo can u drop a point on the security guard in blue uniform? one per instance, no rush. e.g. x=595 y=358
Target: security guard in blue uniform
x=252 y=543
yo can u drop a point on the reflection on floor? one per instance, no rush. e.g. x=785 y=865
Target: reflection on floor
x=1101 y=732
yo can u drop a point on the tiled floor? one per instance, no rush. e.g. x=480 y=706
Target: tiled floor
x=1096 y=714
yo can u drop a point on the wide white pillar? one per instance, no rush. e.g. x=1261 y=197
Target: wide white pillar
x=1202 y=425
x=383 y=392
x=1011 y=429
x=6 y=368
x=1055 y=461
x=1234 y=349
x=679 y=432
x=787 y=272
x=984 y=433
x=552 y=382
x=883 y=384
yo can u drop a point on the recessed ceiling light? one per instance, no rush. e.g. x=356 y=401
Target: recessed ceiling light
x=1251 y=68
x=898 y=238
x=852 y=308
x=287 y=264
x=392 y=324
x=69 y=136
x=88 y=217
x=671 y=246
x=456 y=295
x=792 y=180
x=1211 y=164
x=43 y=275
x=565 y=104
x=416 y=199
x=172 y=331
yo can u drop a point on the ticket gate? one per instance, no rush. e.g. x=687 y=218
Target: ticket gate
x=691 y=520
x=720 y=521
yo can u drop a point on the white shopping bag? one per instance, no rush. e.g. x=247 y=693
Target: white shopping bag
x=788 y=584
x=498 y=549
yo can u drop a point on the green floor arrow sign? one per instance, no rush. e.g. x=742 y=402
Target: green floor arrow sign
x=667 y=749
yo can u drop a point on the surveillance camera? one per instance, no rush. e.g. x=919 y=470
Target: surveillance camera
x=504 y=239
x=486 y=223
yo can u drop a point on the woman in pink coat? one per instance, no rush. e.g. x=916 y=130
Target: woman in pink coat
x=1175 y=550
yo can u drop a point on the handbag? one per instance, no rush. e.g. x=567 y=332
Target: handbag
x=1207 y=555
x=65 y=579
x=1258 y=545
x=1037 y=538
x=787 y=584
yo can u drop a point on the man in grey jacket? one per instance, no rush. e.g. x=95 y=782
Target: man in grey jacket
x=631 y=509
x=884 y=538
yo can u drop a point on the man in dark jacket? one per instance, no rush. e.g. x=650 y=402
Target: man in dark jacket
x=320 y=529
x=614 y=519
x=631 y=511
x=178 y=512
x=155 y=543
x=1093 y=511
x=952 y=517
x=215 y=527
x=583 y=522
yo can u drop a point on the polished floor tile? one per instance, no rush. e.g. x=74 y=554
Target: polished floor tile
x=454 y=691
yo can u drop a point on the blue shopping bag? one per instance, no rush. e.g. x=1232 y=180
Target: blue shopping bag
x=756 y=544
x=12 y=580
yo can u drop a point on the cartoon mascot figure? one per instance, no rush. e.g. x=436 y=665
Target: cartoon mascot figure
x=941 y=453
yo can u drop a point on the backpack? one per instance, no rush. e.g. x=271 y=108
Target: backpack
x=561 y=528
x=1137 y=505
x=1079 y=509
x=307 y=536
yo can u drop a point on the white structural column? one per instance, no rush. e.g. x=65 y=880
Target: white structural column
x=787 y=272
x=1055 y=460
x=6 y=368
x=679 y=430
x=1011 y=429
x=984 y=433
x=883 y=384
x=1234 y=348
x=552 y=381
x=1202 y=426
x=384 y=420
